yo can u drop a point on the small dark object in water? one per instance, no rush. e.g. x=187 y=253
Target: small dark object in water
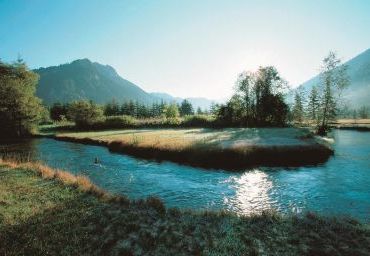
x=96 y=161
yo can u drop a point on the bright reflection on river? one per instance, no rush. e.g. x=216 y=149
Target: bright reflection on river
x=251 y=193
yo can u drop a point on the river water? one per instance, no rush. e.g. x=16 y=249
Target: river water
x=341 y=186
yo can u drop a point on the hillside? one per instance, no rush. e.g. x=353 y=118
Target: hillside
x=86 y=80
x=358 y=93
x=83 y=79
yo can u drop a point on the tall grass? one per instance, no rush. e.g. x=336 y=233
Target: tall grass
x=78 y=181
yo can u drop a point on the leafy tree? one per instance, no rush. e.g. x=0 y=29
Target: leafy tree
x=20 y=109
x=333 y=80
x=171 y=111
x=186 y=108
x=85 y=113
x=258 y=100
x=231 y=112
x=58 y=111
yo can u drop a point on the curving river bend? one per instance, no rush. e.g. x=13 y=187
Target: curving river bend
x=339 y=187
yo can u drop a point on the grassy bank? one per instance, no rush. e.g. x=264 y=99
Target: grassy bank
x=352 y=124
x=50 y=212
x=236 y=148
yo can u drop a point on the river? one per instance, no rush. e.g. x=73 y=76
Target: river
x=341 y=186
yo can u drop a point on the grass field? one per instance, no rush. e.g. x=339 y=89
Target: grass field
x=215 y=148
x=51 y=212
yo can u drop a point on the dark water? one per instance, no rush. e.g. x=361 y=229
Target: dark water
x=339 y=187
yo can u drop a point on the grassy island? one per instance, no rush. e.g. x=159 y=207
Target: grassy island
x=52 y=212
x=233 y=148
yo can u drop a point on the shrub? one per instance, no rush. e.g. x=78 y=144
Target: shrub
x=198 y=121
x=119 y=122
x=85 y=113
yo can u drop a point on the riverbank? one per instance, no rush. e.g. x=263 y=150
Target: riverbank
x=352 y=124
x=46 y=211
x=232 y=149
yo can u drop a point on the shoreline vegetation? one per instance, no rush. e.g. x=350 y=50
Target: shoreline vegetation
x=231 y=149
x=47 y=211
x=352 y=124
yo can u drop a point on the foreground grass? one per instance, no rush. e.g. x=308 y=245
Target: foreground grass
x=50 y=212
x=235 y=148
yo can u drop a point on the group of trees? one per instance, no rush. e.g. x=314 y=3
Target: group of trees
x=258 y=100
x=138 y=110
x=93 y=112
x=323 y=102
x=20 y=110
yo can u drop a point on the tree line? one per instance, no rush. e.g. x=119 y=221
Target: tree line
x=59 y=111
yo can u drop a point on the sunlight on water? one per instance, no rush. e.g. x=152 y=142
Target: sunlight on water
x=251 y=192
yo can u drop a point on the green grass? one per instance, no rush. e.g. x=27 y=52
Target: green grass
x=41 y=215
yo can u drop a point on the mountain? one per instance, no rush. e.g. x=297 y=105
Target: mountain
x=83 y=79
x=203 y=103
x=358 y=92
x=86 y=80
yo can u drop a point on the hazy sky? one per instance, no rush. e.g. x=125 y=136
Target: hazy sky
x=185 y=48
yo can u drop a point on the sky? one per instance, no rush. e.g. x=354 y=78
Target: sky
x=187 y=48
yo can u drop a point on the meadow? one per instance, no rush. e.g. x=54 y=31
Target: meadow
x=231 y=148
x=46 y=212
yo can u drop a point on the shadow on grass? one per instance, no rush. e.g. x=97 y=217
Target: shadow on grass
x=82 y=227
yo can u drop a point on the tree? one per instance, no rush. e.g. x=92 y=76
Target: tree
x=363 y=112
x=231 y=112
x=20 y=109
x=85 y=113
x=333 y=80
x=199 y=111
x=297 y=111
x=58 y=111
x=112 y=108
x=313 y=104
x=186 y=108
x=259 y=95
x=171 y=111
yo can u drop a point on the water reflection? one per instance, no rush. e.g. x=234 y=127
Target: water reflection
x=252 y=191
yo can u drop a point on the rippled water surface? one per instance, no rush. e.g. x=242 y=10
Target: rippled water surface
x=340 y=186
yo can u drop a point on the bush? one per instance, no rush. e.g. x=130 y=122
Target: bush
x=119 y=122
x=198 y=121
x=85 y=113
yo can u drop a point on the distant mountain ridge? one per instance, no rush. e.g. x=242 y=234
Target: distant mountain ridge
x=358 y=69
x=85 y=80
